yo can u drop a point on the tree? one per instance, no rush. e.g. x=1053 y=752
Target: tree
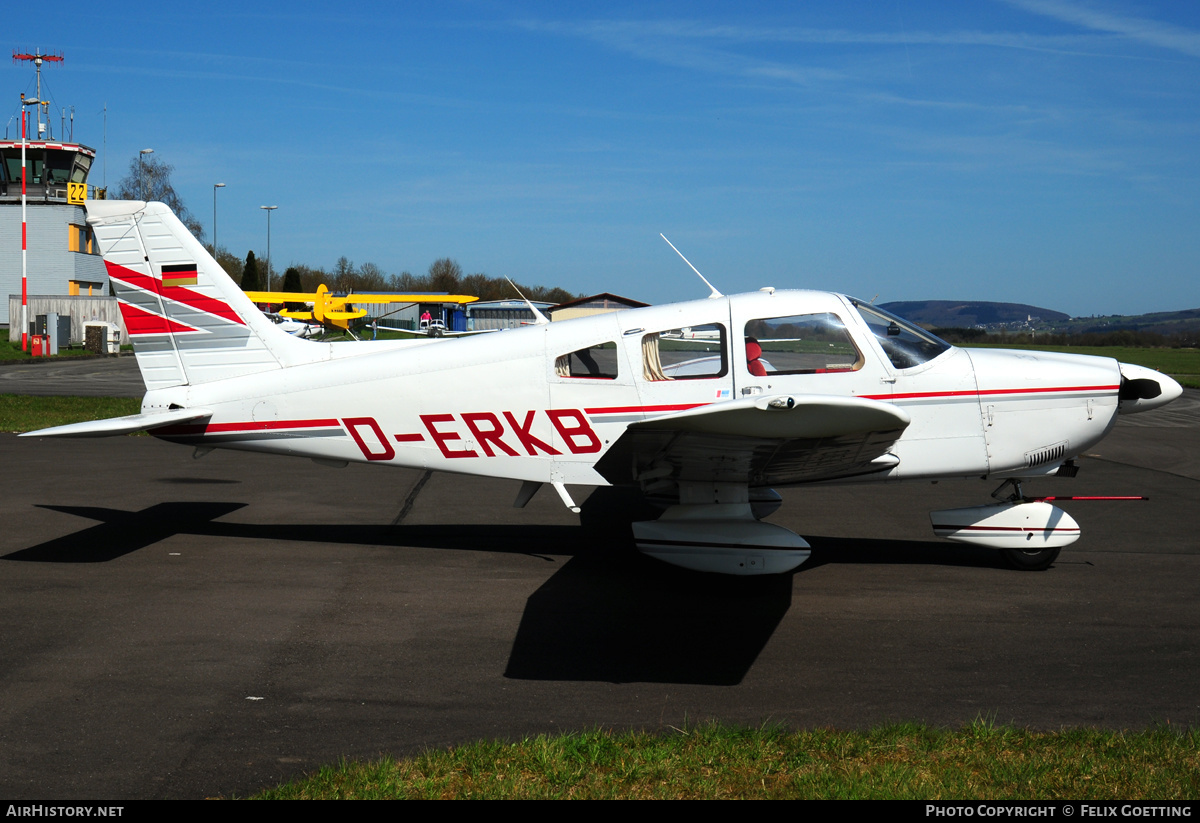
x=250 y=278
x=371 y=278
x=291 y=283
x=444 y=275
x=149 y=179
x=229 y=262
x=344 y=276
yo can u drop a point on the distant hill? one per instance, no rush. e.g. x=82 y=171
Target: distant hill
x=969 y=313
x=1162 y=322
x=1175 y=327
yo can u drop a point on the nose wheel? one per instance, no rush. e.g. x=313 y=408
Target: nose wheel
x=1035 y=561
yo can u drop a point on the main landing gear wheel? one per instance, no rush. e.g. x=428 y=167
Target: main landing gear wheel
x=1031 y=561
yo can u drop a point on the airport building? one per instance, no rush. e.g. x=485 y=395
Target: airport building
x=595 y=304
x=502 y=314
x=46 y=247
x=62 y=258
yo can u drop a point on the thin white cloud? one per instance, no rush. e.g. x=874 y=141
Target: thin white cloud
x=643 y=37
x=1142 y=29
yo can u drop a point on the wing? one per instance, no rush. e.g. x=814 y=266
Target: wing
x=768 y=441
x=122 y=425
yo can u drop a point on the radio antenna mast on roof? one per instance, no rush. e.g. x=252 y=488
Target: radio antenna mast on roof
x=539 y=318
x=711 y=288
x=37 y=58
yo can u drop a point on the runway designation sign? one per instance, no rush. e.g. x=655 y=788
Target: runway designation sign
x=76 y=193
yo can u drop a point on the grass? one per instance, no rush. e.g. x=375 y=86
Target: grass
x=22 y=413
x=12 y=351
x=1182 y=364
x=910 y=761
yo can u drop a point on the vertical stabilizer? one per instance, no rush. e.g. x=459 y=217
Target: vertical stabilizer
x=189 y=322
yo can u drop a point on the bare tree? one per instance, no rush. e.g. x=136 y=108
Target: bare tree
x=149 y=179
x=371 y=278
x=444 y=275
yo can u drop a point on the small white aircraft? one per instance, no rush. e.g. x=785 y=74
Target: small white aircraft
x=772 y=388
x=296 y=328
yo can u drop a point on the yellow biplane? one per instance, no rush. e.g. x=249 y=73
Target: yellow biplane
x=339 y=310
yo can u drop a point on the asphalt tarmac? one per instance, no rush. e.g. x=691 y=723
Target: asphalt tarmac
x=193 y=628
x=79 y=377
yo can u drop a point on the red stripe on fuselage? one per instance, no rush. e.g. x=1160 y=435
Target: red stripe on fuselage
x=983 y=392
x=249 y=426
x=644 y=409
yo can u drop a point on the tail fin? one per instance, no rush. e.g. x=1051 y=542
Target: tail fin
x=189 y=322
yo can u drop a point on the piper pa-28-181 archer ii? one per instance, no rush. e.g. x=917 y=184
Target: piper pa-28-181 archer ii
x=768 y=389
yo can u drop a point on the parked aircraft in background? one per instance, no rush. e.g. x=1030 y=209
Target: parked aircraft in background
x=296 y=328
x=772 y=388
x=339 y=310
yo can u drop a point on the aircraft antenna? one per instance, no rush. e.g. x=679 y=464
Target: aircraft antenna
x=711 y=288
x=539 y=318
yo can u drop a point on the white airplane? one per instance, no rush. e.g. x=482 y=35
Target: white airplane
x=296 y=328
x=776 y=388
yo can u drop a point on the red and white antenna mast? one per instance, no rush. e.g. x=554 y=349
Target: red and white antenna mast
x=37 y=58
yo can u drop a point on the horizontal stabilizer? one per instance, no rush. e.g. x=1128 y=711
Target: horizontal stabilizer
x=122 y=425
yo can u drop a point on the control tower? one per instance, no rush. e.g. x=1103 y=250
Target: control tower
x=62 y=258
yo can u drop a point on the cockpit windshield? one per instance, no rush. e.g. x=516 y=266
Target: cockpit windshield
x=906 y=344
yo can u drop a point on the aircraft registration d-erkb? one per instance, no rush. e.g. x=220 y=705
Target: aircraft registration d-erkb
x=705 y=406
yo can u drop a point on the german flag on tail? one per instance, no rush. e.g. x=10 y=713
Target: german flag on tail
x=180 y=274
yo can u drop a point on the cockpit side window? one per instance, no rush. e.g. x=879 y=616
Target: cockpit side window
x=905 y=343
x=801 y=344
x=690 y=353
x=597 y=362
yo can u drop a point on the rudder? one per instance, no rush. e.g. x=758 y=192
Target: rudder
x=189 y=322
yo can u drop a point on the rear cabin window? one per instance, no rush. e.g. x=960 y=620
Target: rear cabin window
x=801 y=344
x=598 y=362
x=691 y=353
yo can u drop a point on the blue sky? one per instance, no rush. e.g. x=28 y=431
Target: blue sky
x=1041 y=151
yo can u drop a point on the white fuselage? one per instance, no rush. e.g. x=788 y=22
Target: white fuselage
x=501 y=405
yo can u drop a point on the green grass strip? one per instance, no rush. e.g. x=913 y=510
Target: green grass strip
x=982 y=762
x=22 y=413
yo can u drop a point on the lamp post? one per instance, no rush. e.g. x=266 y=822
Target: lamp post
x=215 y=187
x=268 y=210
x=142 y=163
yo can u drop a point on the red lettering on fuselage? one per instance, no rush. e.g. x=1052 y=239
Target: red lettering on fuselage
x=486 y=437
x=487 y=431
x=581 y=430
x=531 y=443
x=440 y=437
x=380 y=449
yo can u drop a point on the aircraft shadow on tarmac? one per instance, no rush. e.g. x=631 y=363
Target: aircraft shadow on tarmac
x=608 y=614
